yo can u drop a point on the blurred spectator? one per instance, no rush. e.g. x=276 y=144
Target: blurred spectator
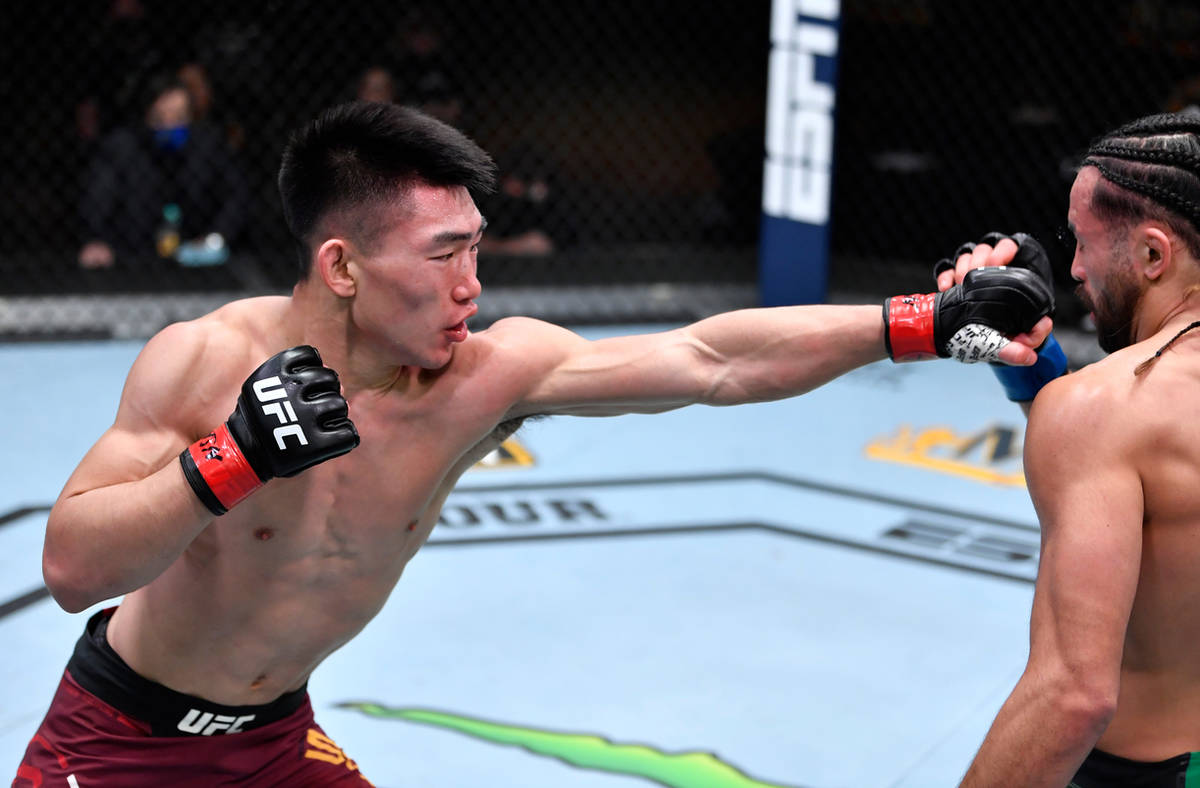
x=194 y=77
x=424 y=74
x=168 y=186
x=376 y=83
x=119 y=44
x=527 y=216
x=418 y=44
x=195 y=81
x=438 y=94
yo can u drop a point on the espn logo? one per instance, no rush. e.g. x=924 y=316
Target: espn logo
x=205 y=723
x=271 y=395
x=800 y=102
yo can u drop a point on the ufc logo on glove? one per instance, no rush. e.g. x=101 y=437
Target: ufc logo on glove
x=269 y=390
x=249 y=449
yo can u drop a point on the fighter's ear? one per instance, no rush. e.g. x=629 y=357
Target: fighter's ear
x=333 y=263
x=1154 y=251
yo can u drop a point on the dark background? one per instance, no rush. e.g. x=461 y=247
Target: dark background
x=953 y=119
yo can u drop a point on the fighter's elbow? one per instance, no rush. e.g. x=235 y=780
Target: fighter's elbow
x=1087 y=706
x=70 y=604
x=68 y=599
x=72 y=587
x=59 y=582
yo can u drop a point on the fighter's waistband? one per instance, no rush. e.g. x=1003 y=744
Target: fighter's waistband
x=1102 y=768
x=97 y=668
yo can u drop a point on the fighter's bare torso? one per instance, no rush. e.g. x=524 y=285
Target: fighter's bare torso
x=243 y=608
x=270 y=589
x=1157 y=433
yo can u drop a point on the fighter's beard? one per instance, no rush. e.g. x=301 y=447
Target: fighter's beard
x=1114 y=311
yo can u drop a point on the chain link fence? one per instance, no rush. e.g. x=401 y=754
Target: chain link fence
x=960 y=118
x=149 y=135
x=144 y=136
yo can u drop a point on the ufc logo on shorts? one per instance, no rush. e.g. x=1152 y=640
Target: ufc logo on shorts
x=270 y=392
x=205 y=723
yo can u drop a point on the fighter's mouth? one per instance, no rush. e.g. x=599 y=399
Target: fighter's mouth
x=458 y=332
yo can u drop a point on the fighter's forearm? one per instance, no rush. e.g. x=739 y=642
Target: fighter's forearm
x=111 y=540
x=764 y=354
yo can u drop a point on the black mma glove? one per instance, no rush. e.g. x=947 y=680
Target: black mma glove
x=1030 y=255
x=289 y=417
x=1021 y=384
x=970 y=321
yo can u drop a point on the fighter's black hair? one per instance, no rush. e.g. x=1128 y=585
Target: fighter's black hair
x=1145 y=365
x=1150 y=169
x=363 y=154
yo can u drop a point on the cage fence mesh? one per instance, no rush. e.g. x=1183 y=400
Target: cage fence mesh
x=956 y=119
x=140 y=181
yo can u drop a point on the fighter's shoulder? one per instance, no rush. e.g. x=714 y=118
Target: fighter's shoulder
x=527 y=338
x=520 y=328
x=223 y=338
x=193 y=360
x=1078 y=406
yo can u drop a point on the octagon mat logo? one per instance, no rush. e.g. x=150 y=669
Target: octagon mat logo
x=510 y=454
x=992 y=455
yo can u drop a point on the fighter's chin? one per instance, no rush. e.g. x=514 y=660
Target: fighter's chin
x=439 y=360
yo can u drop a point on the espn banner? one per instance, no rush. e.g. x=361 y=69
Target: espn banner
x=794 y=245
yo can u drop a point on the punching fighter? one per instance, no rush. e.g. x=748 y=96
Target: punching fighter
x=250 y=545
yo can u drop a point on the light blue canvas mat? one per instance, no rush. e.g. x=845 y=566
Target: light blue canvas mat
x=831 y=590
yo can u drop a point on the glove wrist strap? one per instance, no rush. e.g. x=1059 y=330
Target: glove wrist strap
x=1021 y=384
x=218 y=471
x=908 y=327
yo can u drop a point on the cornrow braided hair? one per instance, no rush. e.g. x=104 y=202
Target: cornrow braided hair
x=1145 y=365
x=1154 y=163
x=1150 y=169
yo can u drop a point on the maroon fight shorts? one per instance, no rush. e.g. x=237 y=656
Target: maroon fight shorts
x=108 y=726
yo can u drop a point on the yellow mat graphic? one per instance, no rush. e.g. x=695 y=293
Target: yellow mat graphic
x=985 y=456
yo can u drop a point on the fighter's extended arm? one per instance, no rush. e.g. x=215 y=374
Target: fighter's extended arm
x=136 y=501
x=756 y=355
x=1088 y=496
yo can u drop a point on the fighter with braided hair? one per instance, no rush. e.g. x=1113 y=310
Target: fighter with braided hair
x=1111 y=692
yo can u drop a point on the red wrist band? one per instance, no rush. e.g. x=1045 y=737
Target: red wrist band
x=221 y=468
x=910 y=327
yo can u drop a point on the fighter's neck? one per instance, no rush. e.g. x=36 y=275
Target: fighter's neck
x=323 y=321
x=1166 y=312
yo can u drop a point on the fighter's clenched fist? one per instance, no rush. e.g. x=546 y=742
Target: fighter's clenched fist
x=969 y=322
x=290 y=416
x=1019 y=250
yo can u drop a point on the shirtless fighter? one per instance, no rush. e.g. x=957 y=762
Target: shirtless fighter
x=1110 y=697
x=250 y=546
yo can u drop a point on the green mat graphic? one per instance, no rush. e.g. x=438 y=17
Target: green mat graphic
x=585 y=751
